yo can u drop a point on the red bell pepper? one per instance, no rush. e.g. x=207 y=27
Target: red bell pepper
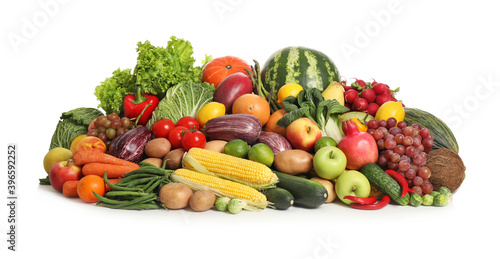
x=139 y=107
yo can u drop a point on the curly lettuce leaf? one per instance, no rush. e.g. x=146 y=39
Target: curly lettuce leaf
x=72 y=124
x=160 y=68
x=110 y=92
x=183 y=99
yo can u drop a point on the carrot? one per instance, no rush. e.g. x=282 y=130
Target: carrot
x=88 y=156
x=69 y=189
x=114 y=171
x=112 y=180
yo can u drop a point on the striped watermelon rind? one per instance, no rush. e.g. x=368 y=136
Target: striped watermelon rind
x=307 y=67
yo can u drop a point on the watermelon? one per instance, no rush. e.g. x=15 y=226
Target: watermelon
x=307 y=67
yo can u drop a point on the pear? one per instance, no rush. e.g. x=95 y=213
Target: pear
x=334 y=91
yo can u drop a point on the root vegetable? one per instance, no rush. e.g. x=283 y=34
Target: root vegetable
x=173 y=159
x=329 y=188
x=202 y=200
x=157 y=148
x=175 y=195
x=158 y=162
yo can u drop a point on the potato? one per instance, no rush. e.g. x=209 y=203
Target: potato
x=329 y=188
x=158 y=162
x=175 y=195
x=293 y=161
x=202 y=200
x=158 y=147
x=216 y=145
x=174 y=158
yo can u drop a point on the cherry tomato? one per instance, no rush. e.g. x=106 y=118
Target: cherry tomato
x=162 y=128
x=188 y=122
x=192 y=139
x=175 y=136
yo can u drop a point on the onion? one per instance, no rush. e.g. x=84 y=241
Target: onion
x=360 y=148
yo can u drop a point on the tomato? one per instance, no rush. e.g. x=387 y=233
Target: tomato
x=175 y=136
x=162 y=128
x=192 y=139
x=188 y=122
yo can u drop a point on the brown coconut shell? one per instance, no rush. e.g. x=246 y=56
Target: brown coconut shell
x=447 y=169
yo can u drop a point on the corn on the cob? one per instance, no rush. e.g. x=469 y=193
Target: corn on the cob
x=221 y=187
x=237 y=169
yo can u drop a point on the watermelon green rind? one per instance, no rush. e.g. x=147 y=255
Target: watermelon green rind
x=308 y=67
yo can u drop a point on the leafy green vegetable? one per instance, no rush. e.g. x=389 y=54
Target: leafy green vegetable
x=157 y=69
x=184 y=99
x=72 y=124
x=311 y=104
x=111 y=91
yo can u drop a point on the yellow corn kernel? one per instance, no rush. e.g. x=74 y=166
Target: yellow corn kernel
x=221 y=187
x=237 y=169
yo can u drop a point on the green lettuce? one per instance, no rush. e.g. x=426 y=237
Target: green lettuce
x=72 y=124
x=111 y=91
x=184 y=99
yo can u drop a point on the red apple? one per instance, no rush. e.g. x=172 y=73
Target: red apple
x=64 y=171
x=303 y=133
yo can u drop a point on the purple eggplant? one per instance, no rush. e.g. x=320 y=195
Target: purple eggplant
x=275 y=141
x=130 y=145
x=233 y=126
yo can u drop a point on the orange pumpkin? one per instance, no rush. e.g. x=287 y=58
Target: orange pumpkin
x=219 y=68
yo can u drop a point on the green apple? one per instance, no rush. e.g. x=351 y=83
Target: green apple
x=323 y=142
x=329 y=162
x=352 y=183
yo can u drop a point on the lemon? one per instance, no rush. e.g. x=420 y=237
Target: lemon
x=237 y=148
x=390 y=109
x=261 y=153
x=209 y=111
x=290 y=89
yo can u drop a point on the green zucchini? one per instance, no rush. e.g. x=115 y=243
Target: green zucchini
x=280 y=198
x=383 y=182
x=443 y=136
x=306 y=193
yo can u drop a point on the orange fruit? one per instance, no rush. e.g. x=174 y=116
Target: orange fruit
x=252 y=104
x=88 y=185
x=273 y=119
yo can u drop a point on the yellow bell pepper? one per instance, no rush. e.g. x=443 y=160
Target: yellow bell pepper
x=361 y=126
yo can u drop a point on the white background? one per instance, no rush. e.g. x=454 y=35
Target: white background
x=444 y=57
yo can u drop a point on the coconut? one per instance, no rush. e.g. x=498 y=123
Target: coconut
x=447 y=169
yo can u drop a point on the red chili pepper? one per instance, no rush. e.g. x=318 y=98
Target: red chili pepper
x=374 y=206
x=400 y=179
x=140 y=107
x=370 y=200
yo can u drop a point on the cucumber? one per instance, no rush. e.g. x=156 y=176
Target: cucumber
x=306 y=193
x=280 y=198
x=383 y=182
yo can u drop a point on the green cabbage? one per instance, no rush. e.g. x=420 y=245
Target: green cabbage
x=72 y=124
x=184 y=99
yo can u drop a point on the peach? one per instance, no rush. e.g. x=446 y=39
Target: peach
x=89 y=143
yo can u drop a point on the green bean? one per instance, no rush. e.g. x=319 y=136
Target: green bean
x=151 y=169
x=106 y=200
x=143 y=199
x=140 y=206
x=139 y=181
x=124 y=194
x=153 y=186
x=118 y=187
x=128 y=178
x=146 y=186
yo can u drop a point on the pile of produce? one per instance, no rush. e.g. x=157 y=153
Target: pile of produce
x=230 y=136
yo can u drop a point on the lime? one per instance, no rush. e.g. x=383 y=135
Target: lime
x=261 y=153
x=237 y=148
x=323 y=142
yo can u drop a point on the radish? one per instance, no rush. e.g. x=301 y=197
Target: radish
x=372 y=108
x=360 y=104
x=350 y=96
x=369 y=95
x=382 y=98
x=359 y=147
x=380 y=88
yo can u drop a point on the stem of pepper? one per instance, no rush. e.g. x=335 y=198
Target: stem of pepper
x=139 y=98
